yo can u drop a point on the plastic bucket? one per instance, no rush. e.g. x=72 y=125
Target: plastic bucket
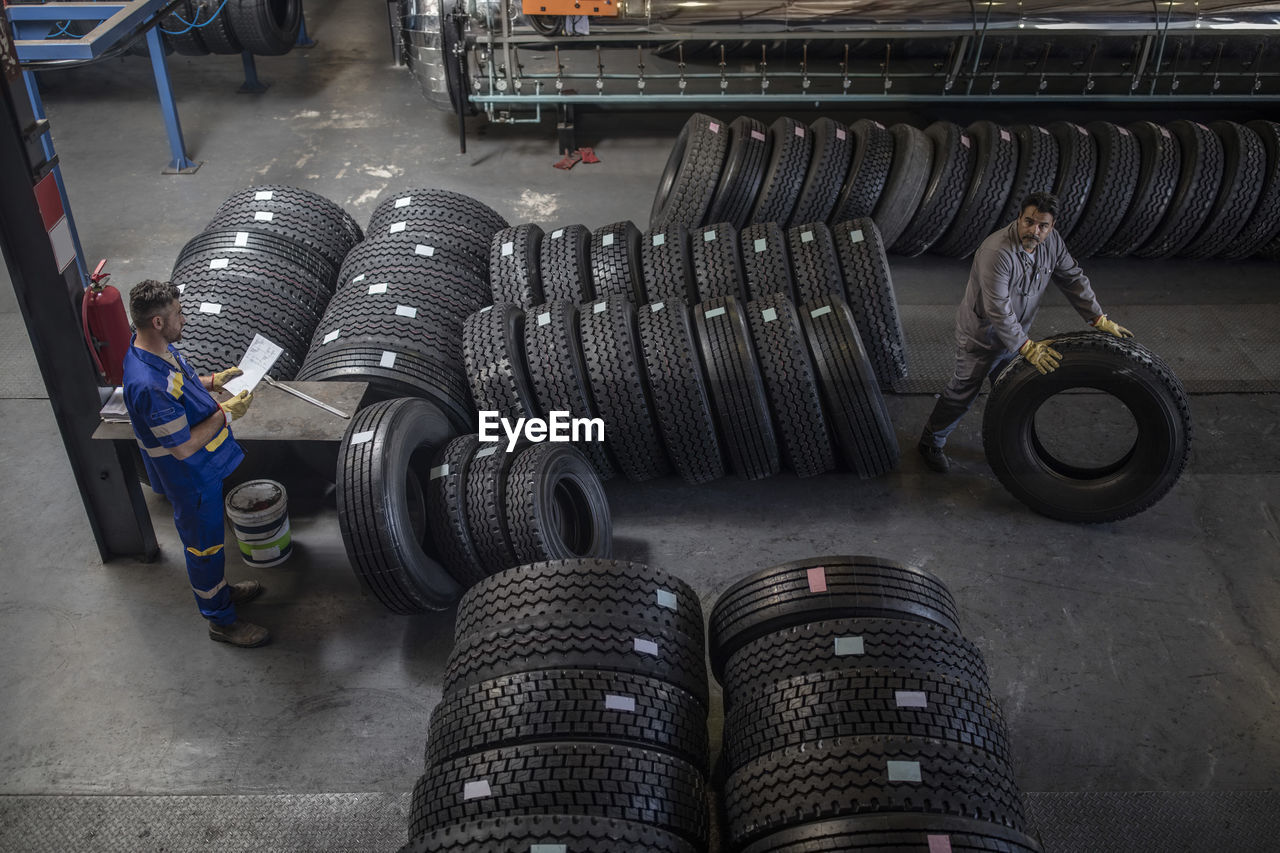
x=259 y=510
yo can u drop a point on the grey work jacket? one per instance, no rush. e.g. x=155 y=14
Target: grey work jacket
x=1005 y=286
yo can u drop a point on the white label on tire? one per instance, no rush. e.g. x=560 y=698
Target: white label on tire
x=646 y=647
x=397 y=227
x=210 y=308
x=377 y=288
x=476 y=790
x=263 y=195
x=508 y=249
x=404 y=202
x=667 y=599
x=440 y=471
x=904 y=771
x=825 y=309
x=937 y=844
x=709 y=236
x=964 y=140
x=1004 y=135
x=1042 y=129
x=557 y=234
x=486 y=308
x=714 y=312
x=358 y=279
x=1123 y=130
x=487 y=451
x=846 y=646
x=769 y=315
x=879 y=125
x=1082 y=130
x=362 y=437
x=799 y=131
x=406 y=311
x=544 y=318
x=332 y=336
x=856 y=236
x=263 y=216
x=420 y=249
x=219 y=263
x=182 y=288
x=761 y=244
x=806 y=236
x=656 y=307
x=910 y=699
x=659 y=239
x=757 y=136
x=564 y=848
x=840 y=134
x=620 y=703
x=1164 y=131
x=606 y=240
x=388 y=359
x=816 y=577
x=599 y=307
x=714 y=127
x=242 y=238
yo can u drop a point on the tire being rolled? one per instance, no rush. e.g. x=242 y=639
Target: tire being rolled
x=1125 y=487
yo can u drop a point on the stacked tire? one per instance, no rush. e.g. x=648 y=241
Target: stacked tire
x=266 y=265
x=261 y=27
x=1155 y=191
x=573 y=716
x=857 y=716
x=396 y=317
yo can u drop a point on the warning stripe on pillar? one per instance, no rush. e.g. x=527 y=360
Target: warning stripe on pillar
x=55 y=221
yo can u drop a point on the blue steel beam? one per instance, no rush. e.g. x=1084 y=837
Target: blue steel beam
x=111 y=21
x=181 y=163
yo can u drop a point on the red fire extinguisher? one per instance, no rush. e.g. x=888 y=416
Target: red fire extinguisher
x=106 y=327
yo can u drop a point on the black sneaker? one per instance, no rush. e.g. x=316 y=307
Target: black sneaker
x=934 y=458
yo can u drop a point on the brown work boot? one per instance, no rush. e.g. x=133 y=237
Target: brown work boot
x=239 y=633
x=246 y=591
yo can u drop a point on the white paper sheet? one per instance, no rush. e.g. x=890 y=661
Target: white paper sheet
x=257 y=360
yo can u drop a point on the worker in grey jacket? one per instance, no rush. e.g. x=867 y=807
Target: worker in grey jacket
x=1010 y=272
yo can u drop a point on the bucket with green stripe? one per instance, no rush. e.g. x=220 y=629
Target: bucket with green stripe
x=259 y=511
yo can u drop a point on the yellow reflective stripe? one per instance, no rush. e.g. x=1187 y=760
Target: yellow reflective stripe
x=153 y=452
x=175 y=385
x=211 y=593
x=217 y=440
x=207 y=552
x=176 y=425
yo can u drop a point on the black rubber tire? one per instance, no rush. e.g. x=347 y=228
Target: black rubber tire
x=678 y=387
x=692 y=172
x=790 y=148
x=828 y=167
x=869 y=291
x=316 y=273
x=493 y=353
x=383 y=466
x=617 y=590
x=791 y=385
x=567 y=778
x=615 y=262
x=565 y=264
x=215 y=29
x=442 y=205
x=795 y=593
x=844 y=777
x=1037 y=167
x=179 y=30
x=297 y=214
x=611 y=350
x=868 y=170
x=905 y=185
x=519 y=834
x=486 y=491
x=514 y=265
x=667 y=265
x=251 y=272
x=556 y=506
x=895 y=832
x=463 y=245
x=224 y=313
x=1244 y=165
x=717 y=262
x=1264 y=225
x=743 y=174
x=1122 y=368
x=905 y=645
x=573 y=705
x=765 y=265
x=559 y=373
x=447 y=510
x=266 y=27
x=803 y=710
x=587 y=641
x=1119 y=159
x=815 y=269
x=1160 y=162
x=1077 y=168
x=994 y=166
x=854 y=406
x=738 y=398
x=440 y=266
x=953 y=154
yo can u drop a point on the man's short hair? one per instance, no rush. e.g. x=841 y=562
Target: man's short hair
x=1041 y=201
x=149 y=299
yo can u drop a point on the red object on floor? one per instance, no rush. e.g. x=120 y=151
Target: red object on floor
x=569 y=160
x=588 y=155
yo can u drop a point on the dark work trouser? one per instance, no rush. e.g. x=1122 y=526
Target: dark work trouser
x=957 y=398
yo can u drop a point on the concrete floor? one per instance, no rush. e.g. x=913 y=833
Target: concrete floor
x=1137 y=656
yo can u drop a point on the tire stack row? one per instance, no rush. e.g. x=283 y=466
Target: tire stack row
x=698 y=375
x=857 y=716
x=266 y=264
x=395 y=319
x=573 y=716
x=1183 y=189
x=490 y=509
x=262 y=27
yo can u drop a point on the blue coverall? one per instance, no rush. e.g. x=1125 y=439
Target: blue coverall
x=166 y=401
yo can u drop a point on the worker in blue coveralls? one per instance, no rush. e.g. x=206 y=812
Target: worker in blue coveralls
x=1010 y=272
x=188 y=449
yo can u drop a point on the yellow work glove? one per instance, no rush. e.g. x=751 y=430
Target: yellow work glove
x=1041 y=355
x=217 y=380
x=237 y=406
x=1102 y=324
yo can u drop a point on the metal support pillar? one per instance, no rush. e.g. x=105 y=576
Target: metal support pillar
x=566 y=129
x=252 y=85
x=181 y=164
x=46 y=142
x=108 y=484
